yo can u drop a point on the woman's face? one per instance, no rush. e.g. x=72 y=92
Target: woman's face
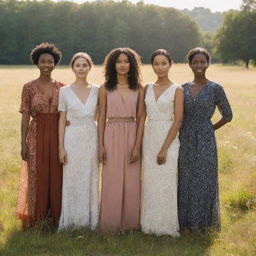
x=46 y=64
x=122 y=64
x=161 y=66
x=199 y=64
x=81 y=67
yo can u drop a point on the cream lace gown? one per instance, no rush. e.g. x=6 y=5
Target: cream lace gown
x=159 y=193
x=80 y=174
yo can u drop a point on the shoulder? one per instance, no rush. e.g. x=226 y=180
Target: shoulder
x=177 y=87
x=216 y=87
x=102 y=90
x=29 y=85
x=64 y=88
x=185 y=85
x=59 y=84
x=95 y=87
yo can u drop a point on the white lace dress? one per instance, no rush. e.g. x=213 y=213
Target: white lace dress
x=159 y=190
x=80 y=204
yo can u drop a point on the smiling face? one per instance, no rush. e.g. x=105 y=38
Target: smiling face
x=46 y=64
x=161 y=66
x=199 y=64
x=81 y=67
x=122 y=65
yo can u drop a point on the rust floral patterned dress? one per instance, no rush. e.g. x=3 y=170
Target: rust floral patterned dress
x=41 y=176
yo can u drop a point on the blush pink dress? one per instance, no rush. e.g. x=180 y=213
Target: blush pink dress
x=120 y=201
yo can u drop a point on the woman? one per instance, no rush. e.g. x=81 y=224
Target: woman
x=164 y=107
x=198 y=175
x=78 y=147
x=120 y=129
x=41 y=174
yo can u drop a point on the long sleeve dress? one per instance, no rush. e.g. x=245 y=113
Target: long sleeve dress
x=198 y=193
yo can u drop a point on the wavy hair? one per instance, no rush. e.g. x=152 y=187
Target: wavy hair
x=134 y=75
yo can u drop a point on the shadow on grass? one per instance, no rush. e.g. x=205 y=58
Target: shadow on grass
x=83 y=242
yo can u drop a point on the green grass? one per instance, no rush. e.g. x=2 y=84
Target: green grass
x=237 y=176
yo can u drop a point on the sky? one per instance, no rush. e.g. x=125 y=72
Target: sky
x=213 y=5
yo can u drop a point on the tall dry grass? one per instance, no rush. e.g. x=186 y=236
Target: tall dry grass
x=237 y=176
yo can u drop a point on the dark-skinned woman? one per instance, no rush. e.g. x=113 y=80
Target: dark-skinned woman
x=41 y=173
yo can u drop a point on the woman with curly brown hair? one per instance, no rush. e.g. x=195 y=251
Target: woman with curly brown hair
x=41 y=173
x=120 y=128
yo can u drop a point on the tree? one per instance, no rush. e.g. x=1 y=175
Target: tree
x=236 y=38
x=248 y=5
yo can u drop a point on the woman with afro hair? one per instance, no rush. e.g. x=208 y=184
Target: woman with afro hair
x=41 y=173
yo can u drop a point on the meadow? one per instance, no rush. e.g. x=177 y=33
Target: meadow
x=237 y=178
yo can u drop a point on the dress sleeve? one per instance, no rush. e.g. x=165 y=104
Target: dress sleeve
x=62 y=100
x=25 y=106
x=223 y=104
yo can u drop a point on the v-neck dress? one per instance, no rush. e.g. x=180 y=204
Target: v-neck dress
x=159 y=214
x=41 y=176
x=198 y=193
x=80 y=201
x=120 y=200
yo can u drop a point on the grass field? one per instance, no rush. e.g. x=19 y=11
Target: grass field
x=237 y=176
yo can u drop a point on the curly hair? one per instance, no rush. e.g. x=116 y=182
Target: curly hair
x=45 y=47
x=161 y=52
x=110 y=70
x=198 y=50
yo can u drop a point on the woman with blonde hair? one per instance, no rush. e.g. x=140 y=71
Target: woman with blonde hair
x=78 y=147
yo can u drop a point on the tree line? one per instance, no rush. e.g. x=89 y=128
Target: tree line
x=94 y=27
x=97 y=27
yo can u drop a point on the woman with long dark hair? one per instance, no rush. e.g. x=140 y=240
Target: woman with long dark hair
x=120 y=129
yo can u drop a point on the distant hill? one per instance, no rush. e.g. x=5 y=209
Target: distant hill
x=206 y=20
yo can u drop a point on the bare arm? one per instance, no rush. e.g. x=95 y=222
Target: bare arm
x=62 y=127
x=24 y=131
x=140 y=118
x=102 y=122
x=178 y=117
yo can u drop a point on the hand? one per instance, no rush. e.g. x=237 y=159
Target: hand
x=62 y=156
x=102 y=155
x=68 y=123
x=161 y=157
x=24 y=152
x=135 y=155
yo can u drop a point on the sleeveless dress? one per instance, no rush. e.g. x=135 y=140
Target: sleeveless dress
x=80 y=174
x=120 y=201
x=159 y=194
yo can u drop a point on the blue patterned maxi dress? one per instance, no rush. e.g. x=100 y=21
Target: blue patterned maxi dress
x=198 y=195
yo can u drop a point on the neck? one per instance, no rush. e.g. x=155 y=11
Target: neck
x=200 y=79
x=122 y=79
x=81 y=82
x=44 y=79
x=163 y=80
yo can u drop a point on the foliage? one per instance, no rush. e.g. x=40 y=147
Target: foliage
x=208 y=21
x=94 y=27
x=236 y=38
